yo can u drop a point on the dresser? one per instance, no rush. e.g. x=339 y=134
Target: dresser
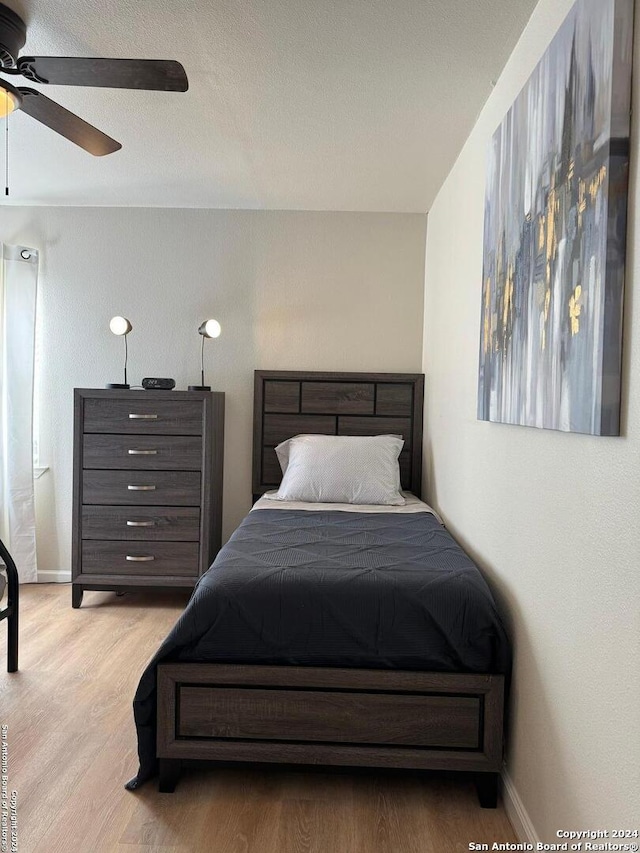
x=147 y=488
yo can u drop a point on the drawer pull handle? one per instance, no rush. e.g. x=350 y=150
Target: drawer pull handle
x=139 y=559
x=141 y=523
x=141 y=488
x=143 y=417
x=143 y=452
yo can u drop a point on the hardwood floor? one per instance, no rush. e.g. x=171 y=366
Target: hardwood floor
x=71 y=746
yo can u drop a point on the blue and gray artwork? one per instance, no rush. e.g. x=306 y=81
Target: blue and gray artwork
x=555 y=233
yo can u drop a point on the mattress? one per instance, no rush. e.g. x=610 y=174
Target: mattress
x=384 y=590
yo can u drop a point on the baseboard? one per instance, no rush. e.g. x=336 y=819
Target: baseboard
x=516 y=812
x=54 y=576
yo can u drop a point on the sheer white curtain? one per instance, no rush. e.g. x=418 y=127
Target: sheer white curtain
x=18 y=288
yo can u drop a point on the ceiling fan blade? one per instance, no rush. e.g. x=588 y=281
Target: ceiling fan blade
x=66 y=123
x=163 y=75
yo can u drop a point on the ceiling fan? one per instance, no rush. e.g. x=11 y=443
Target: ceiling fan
x=152 y=74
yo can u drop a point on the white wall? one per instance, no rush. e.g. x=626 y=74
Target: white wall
x=553 y=518
x=325 y=291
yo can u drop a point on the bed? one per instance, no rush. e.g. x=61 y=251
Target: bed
x=332 y=635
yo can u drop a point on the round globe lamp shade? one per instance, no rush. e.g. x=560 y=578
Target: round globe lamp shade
x=210 y=329
x=120 y=325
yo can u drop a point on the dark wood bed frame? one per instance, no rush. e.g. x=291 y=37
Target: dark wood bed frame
x=322 y=715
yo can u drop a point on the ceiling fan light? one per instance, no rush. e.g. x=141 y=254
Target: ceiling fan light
x=10 y=99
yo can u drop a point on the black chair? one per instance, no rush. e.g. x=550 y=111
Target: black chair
x=10 y=613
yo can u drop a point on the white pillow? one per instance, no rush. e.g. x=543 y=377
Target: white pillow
x=341 y=469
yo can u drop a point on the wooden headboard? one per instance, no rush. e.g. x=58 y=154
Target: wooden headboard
x=287 y=403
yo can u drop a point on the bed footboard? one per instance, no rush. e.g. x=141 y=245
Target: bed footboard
x=326 y=716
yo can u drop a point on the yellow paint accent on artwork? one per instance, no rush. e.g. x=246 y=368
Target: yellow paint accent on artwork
x=596 y=183
x=552 y=209
x=575 y=309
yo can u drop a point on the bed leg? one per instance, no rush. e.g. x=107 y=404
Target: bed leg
x=487 y=788
x=169 y=775
x=76 y=596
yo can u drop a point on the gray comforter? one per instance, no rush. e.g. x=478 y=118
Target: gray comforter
x=333 y=589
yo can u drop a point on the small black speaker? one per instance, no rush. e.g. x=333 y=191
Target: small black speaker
x=152 y=383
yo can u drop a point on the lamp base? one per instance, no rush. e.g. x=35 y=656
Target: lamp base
x=119 y=385
x=199 y=387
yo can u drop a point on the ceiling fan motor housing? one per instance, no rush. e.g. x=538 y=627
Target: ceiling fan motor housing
x=13 y=35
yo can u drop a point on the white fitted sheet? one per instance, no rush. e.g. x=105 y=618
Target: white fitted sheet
x=412 y=504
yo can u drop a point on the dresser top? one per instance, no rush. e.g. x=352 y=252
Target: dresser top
x=142 y=394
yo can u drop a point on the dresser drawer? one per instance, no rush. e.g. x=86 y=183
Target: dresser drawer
x=141 y=488
x=181 y=524
x=162 y=559
x=148 y=452
x=151 y=417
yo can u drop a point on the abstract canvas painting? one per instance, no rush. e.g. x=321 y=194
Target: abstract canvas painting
x=555 y=233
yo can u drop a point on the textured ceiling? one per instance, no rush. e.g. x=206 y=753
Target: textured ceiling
x=293 y=104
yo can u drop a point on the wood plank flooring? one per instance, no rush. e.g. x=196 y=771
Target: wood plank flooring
x=71 y=746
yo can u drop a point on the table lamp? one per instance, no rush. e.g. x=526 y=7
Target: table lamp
x=208 y=329
x=121 y=327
